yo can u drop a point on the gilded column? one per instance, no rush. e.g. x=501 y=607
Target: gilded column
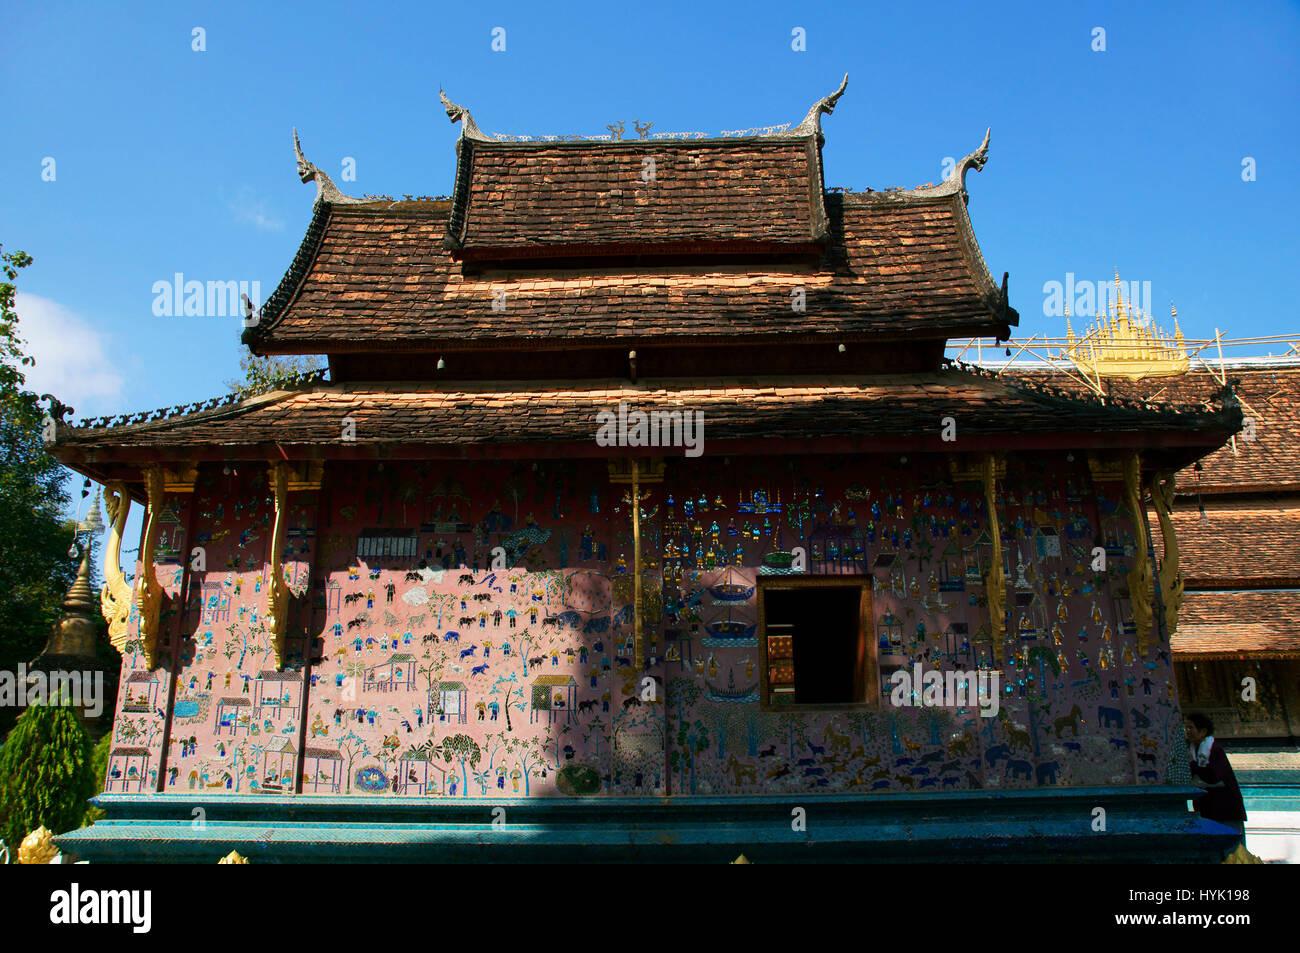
x=1139 y=577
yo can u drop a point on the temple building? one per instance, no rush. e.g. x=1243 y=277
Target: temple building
x=637 y=485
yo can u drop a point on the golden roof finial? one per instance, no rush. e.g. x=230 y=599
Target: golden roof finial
x=1124 y=341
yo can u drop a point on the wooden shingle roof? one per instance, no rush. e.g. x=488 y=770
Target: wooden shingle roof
x=374 y=277
x=579 y=198
x=1260 y=624
x=1239 y=544
x=1270 y=393
x=850 y=414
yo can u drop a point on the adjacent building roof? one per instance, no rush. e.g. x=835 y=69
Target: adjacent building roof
x=1239 y=544
x=1232 y=624
x=1270 y=395
x=1240 y=561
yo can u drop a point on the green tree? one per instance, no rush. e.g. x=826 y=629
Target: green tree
x=98 y=775
x=45 y=773
x=35 y=569
x=464 y=749
x=266 y=372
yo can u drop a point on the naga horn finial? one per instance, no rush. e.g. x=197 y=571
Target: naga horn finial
x=326 y=190
x=812 y=121
x=468 y=127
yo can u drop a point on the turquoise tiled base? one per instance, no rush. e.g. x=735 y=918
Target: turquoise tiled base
x=1143 y=825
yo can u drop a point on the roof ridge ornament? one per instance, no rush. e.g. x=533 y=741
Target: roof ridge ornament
x=955 y=184
x=326 y=190
x=812 y=122
x=468 y=127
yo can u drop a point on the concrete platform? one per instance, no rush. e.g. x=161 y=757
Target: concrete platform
x=1143 y=825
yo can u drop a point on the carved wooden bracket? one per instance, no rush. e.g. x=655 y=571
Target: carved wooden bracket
x=277 y=590
x=119 y=597
x=115 y=597
x=1139 y=577
x=305 y=476
x=965 y=469
x=1106 y=469
x=284 y=480
x=1171 y=580
x=180 y=479
x=625 y=469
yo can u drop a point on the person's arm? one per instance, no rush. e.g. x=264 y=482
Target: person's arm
x=1218 y=769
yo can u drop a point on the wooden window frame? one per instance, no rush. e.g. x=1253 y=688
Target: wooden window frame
x=866 y=680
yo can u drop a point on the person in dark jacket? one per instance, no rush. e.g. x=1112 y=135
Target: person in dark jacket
x=1211 y=771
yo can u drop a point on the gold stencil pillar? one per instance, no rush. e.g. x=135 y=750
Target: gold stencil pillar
x=1139 y=577
x=995 y=583
x=635 y=472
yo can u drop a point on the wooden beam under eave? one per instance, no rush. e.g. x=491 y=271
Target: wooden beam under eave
x=1192 y=445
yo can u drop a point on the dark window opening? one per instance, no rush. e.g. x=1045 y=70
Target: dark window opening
x=815 y=645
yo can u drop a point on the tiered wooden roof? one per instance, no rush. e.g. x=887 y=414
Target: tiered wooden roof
x=634 y=244
x=795 y=319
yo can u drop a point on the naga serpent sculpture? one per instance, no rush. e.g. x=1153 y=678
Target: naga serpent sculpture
x=1171 y=581
x=119 y=597
x=326 y=190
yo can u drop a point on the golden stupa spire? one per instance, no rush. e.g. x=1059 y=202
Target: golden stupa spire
x=1124 y=341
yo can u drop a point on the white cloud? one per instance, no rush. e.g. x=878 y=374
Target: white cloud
x=250 y=210
x=70 y=360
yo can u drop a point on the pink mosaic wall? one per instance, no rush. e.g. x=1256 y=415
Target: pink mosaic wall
x=417 y=670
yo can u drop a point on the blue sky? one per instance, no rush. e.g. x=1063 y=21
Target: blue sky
x=170 y=160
